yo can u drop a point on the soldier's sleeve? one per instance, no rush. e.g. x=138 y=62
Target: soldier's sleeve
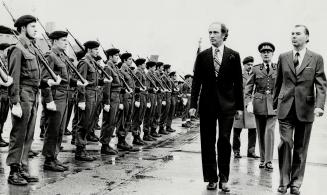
x=15 y=63
x=320 y=83
x=82 y=69
x=238 y=84
x=107 y=87
x=46 y=92
x=278 y=83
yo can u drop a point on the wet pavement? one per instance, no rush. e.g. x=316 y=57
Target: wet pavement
x=172 y=165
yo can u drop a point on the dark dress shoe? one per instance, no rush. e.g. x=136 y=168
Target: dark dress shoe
x=252 y=155
x=16 y=179
x=122 y=145
x=262 y=165
x=3 y=143
x=237 y=155
x=107 y=150
x=138 y=141
x=155 y=134
x=224 y=187
x=67 y=132
x=268 y=166
x=170 y=130
x=53 y=166
x=29 y=178
x=282 y=189
x=212 y=186
x=295 y=190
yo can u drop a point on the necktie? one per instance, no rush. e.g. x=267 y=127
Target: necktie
x=217 y=62
x=267 y=68
x=296 y=59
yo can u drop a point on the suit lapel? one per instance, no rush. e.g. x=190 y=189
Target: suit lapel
x=290 y=61
x=225 y=56
x=210 y=63
x=305 y=62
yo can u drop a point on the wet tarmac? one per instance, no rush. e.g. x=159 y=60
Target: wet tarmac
x=172 y=165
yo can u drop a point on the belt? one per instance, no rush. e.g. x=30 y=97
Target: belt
x=264 y=91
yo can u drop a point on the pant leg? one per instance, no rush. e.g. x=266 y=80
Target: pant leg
x=261 y=129
x=252 y=140
x=236 y=139
x=225 y=123
x=165 y=111
x=138 y=115
x=70 y=106
x=123 y=118
x=4 y=109
x=158 y=110
x=270 y=138
x=149 y=116
x=171 y=112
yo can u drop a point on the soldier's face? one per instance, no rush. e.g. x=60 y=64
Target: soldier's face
x=94 y=52
x=129 y=61
x=61 y=43
x=115 y=58
x=215 y=35
x=248 y=66
x=143 y=66
x=266 y=55
x=299 y=38
x=31 y=30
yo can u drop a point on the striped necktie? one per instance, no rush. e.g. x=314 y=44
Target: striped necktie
x=217 y=62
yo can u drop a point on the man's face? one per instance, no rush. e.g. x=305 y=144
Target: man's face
x=129 y=61
x=299 y=38
x=161 y=68
x=143 y=66
x=248 y=66
x=94 y=52
x=115 y=58
x=61 y=43
x=266 y=55
x=168 y=70
x=215 y=35
x=31 y=30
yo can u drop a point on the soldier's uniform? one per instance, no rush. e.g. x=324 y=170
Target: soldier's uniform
x=161 y=96
x=173 y=102
x=259 y=89
x=165 y=108
x=186 y=91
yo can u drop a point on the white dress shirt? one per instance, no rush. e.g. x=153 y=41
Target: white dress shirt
x=301 y=56
x=220 y=53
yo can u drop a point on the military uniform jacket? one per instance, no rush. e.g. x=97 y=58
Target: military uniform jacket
x=3 y=89
x=115 y=86
x=259 y=88
x=88 y=70
x=140 y=75
x=58 y=62
x=24 y=68
x=149 y=85
x=186 y=90
x=166 y=80
x=248 y=119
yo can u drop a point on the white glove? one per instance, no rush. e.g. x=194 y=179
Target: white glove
x=17 y=110
x=107 y=80
x=148 y=105
x=192 y=111
x=81 y=105
x=80 y=84
x=164 y=103
x=249 y=107
x=184 y=101
x=121 y=107
x=8 y=83
x=51 y=82
x=137 y=104
x=106 y=107
x=51 y=106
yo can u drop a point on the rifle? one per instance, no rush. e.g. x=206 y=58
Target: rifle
x=152 y=82
x=135 y=78
x=104 y=51
x=160 y=84
x=3 y=71
x=38 y=52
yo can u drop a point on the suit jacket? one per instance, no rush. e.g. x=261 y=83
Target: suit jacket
x=261 y=85
x=222 y=94
x=298 y=86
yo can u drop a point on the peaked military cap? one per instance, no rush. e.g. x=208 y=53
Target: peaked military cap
x=58 y=34
x=139 y=61
x=91 y=44
x=24 y=20
x=266 y=46
x=248 y=59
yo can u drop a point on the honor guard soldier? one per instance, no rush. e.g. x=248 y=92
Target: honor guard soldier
x=56 y=100
x=186 y=100
x=87 y=99
x=174 y=94
x=247 y=121
x=112 y=102
x=25 y=63
x=4 y=101
x=142 y=104
x=258 y=95
x=161 y=100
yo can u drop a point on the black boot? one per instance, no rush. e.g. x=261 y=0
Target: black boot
x=163 y=131
x=92 y=137
x=3 y=143
x=29 y=178
x=154 y=133
x=14 y=176
x=106 y=149
x=51 y=165
x=138 y=141
x=82 y=155
x=148 y=137
x=67 y=132
x=123 y=145
x=170 y=130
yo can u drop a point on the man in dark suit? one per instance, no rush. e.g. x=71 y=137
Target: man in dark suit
x=299 y=95
x=218 y=73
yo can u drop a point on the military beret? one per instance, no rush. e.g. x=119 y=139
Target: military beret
x=166 y=66
x=91 y=44
x=80 y=54
x=159 y=64
x=24 y=20
x=248 y=59
x=125 y=56
x=139 y=61
x=266 y=46
x=188 y=76
x=58 y=34
x=4 y=46
x=97 y=58
x=112 y=51
x=150 y=64
x=173 y=73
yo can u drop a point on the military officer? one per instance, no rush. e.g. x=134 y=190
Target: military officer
x=259 y=101
x=56 y=100
x=247 y=121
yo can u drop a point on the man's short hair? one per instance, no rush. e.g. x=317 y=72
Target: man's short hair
x=306 y=30
x=224 y=29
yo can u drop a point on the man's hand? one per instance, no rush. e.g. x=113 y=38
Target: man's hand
x=80 y=84
x=163 y=103
x=51 y=82
x=8 y=83
x=106 y=107
x=121 y=107
x=81 y=105
x=184 y=101
x=148 y=105
x=249 y=107
x=51 y=106
x=137 y=104
x=192 y=111
x=17 y=110
x=105 y=80
x=239 y=114
x=318 y=112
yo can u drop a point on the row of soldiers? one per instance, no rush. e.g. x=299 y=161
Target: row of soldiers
x=128 y=99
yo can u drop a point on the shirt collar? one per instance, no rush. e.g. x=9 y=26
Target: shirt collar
x=221 y=48
x=301 y=52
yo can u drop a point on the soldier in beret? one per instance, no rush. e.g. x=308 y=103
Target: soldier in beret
x=258 y=96
x=247 y=121
x=25 y=68
x=186 y=100
x=56 y=100
x=175 y=92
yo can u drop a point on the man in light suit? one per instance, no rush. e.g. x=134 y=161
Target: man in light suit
x=218 y=72
x=299 y=96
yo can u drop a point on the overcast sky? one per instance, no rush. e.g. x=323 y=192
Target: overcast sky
x=172 y=28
